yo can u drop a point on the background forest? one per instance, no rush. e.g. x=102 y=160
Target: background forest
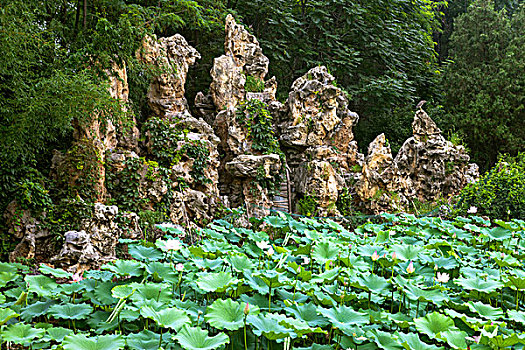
x=465 y=58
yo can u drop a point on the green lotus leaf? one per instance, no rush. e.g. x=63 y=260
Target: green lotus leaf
x=433 y=295
x=292 y=297
x=371 y=282
x=407 y=252
x=21 y=333
x=6 y=277
x=401 y=320
x=164 y=271
x=6 y=314
x=225 y=314
x=273 y=278
x=145 y=293
x=256 y=283
x=41 y=285
x=171 y=317
x=191 y=338
x=515 y=282
x=58 y=273
x=517 y=316
x=307 y=313
x=433 y=324
x=125 y=268
x=102 y=293
x=122 y=292
x=472 y=322
x=478 y=284
x=344 y=316
x=411 y=341
x=70 y=311
x=241 y=262
x=502 y=342
x=385 y=340
x=268 y=327
x=216 y=282
x=276 y=221
x=499 y=233
x=454 y=338
x=57 y=334
x=328 y=276
x=145 y=340
x=299 y=327
x=485 y=311
x=146 y=254
x=325 y=251
x=103 y=342
x=37 y=308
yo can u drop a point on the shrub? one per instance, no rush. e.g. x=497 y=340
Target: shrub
x=500 y=193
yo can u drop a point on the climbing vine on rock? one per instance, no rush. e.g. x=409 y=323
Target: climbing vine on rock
x=162 y=140
x=200 y=154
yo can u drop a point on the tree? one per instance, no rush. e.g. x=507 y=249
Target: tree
x=381 y=53
x=484 y=85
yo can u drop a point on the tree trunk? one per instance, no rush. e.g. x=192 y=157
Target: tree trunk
x=85 y=14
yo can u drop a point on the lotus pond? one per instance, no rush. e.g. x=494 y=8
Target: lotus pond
x=403 y=283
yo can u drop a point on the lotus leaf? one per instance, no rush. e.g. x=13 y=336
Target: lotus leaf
x=225 y=314
x=433 y=324
x=103 y=342
x=191 y=338
x=70 y=311
x=263 y=325
x=172 y=317
x=21 y=333
x=213 y=282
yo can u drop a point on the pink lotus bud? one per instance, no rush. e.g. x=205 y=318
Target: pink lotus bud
x=179 y=267
x=410 y=268
x=375 y=256
x=394 y=256
x=247 y=309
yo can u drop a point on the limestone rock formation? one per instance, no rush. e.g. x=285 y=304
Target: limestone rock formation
x=316 y=132
x=95 y=242
x=426 y=168
x=429 y=165
x=173 y=55
x=377 y=185
x=242 y=164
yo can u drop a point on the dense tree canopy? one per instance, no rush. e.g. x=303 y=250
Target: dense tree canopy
x=484 y=84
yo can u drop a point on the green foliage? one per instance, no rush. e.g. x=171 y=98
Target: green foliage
x=162 y=140
x=307 y=206
x=200 y=154
x=123 y=185
x=254 y=84
x=381 y=54
x=254 y=115
x=484 y=84
x=500 y=192
x=450 y=284
x=344 y=202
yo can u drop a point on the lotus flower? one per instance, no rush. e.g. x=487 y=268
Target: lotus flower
x=472 y=210
x=394 y=256
x=247 y=309
x=77 y=277
x=179 y=267
x=442 y=277
x=306 y=260
x=375 y=256
x=262 y=245
x=410 y=268
x=173 y=244
x=270 y=251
